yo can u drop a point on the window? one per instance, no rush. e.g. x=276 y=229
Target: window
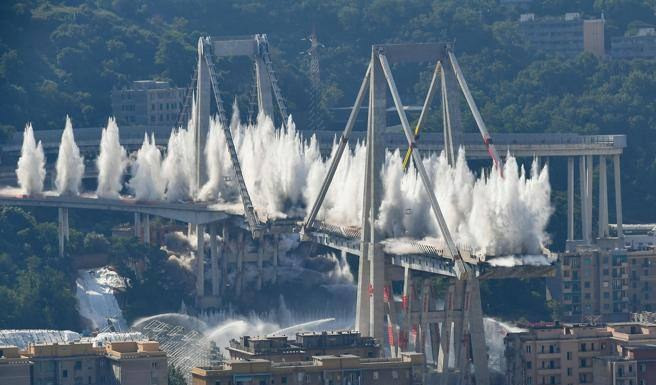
x=569 y=371
x=395 y=374
x=528 y=348
x=65 y=373
x=283 y=380
x=569 y=356
x=529 y=381
x=375 y=375
x=217 y=382
x=583 y=348
x=529 y=364
x=78 y=365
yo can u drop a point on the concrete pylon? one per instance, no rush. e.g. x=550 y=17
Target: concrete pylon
x=201 y=115
x=63 y=232
x=371 y=308
x=200 y=260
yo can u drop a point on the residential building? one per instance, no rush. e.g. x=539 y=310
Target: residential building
x=565 y=354
x=610 y=283
x=642 y=45
x=569 y=35
x=344 y=369
x=117 y=363
x=306 y=345
x=148 y=103
x=14 y=369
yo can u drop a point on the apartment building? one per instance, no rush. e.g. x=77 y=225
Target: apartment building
x=576 y=354
x=14 y=368
x=117 y=363
x=147 y=103
x=641 y=45
x=306 y=345
x=344 y=369
x=568 y=35
x=605 y=283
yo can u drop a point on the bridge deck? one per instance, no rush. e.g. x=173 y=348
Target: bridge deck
x=190 y=212
x=419 y=256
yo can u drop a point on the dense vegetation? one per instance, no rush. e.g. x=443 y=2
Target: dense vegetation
x=37 y=287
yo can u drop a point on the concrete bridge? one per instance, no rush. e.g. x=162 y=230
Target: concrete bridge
x=238 y=236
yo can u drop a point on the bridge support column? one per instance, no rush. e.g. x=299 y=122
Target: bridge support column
x=589 y=170
x=146 y=229
x=214 y=255
x=603 y=199
x=477 y=333
x=442 y=362
x=570 y=198
x=224 y=257
x=200 y=260
x=618 y=196
x=582 y=182
x=202 y=116
x=63 y=232
x=406 y=308
x=137 y=225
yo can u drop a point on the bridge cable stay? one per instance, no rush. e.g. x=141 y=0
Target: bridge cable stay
x=487 y=139
x=184 y=113
x=249 y=210
x=460 y=267
x=424 y=113
x=343 y=141
x=263 y=44
x=466 y=288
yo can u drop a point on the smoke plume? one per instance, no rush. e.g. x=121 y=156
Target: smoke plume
x=111 y=162
x=70 y=165
x=31 y=170
x=147 y=182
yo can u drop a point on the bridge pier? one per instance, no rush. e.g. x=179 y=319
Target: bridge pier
x=146 y=229
x=63 y=232
x=618 y=196
x=570 y=198
x=200 y=261
x=214 y=254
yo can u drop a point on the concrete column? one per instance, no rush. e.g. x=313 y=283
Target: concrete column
x=362 y=296
x=62 y=229
x=589 y=166
x=406 y=306
x=570 y=198
x=476 y=330
x=460 y=287
x=200 y=260
x=603 y=199
x=378 y=96
x=264 y=97
x=202 y=115
x=582 y=180
x=214 y=255
x=146 y=229
x=618 y=195
x=224 y=255
x=67 y=229
x=137 y=225
x=445 y=340
x=392 y=335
